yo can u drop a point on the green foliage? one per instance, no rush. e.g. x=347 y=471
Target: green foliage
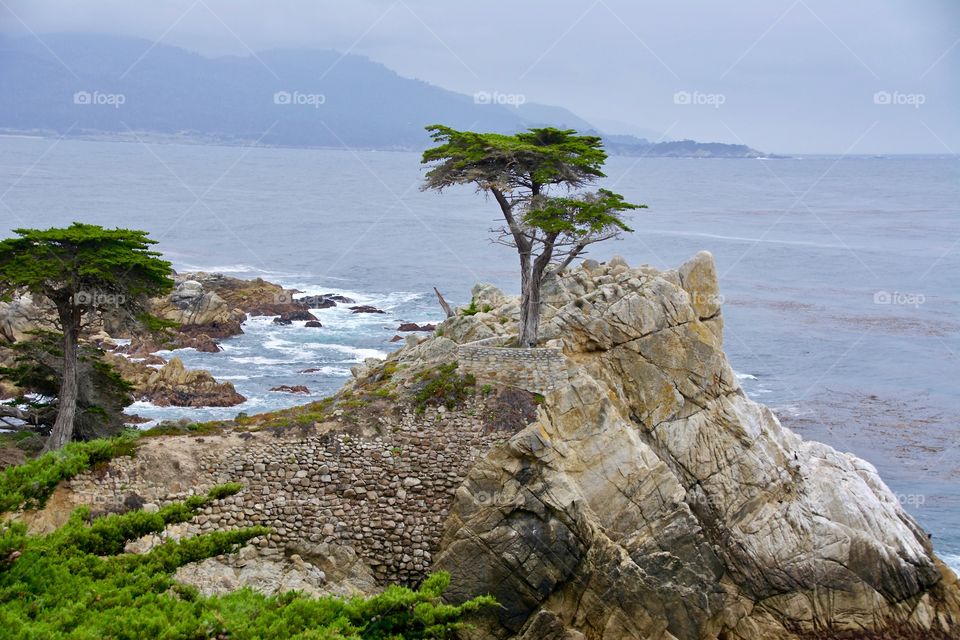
x=84 y=270
x=77 y=582
x=83 y=265
x=471 y=309
x=524 y=172
x=442 y=385
x=30 y=484
x=545 y=156
x=183 y=427
x=524 y=166
x=593 y=213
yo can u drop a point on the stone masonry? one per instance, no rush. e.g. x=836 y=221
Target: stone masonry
x=538 y=369
x=386 y=496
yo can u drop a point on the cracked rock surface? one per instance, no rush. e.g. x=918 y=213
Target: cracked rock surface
x=653 y=499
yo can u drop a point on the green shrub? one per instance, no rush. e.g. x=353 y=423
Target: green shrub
x=443 y=386
x=30 y=484
x=76 y=582
x=183 y=427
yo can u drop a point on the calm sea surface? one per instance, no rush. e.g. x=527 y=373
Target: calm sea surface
x=841 y=276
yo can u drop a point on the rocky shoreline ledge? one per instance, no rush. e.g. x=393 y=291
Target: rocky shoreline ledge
x=203 y=309
x=643 y=496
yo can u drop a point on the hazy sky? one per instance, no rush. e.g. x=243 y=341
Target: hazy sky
x=788 y=76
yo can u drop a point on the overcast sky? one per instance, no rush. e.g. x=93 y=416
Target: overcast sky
x=785 y=76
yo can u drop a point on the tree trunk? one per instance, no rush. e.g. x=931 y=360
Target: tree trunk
x=530 y=287
x=528 y=331
x=530 y=311
x=67 y=398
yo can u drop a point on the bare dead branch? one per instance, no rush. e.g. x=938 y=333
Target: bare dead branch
x=443 y=303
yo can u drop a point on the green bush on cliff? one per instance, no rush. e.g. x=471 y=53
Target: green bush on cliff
x=443 y=386
x=77 y=582
x=30 y=484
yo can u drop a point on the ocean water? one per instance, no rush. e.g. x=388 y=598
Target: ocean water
x=841 y=276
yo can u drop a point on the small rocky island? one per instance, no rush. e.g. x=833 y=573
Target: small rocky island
x=614 y=483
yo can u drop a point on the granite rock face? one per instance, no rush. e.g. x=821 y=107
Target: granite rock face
x=174 y=385
x=652 y=499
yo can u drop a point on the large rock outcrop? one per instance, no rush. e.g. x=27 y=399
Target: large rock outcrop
x=172 y=384
x=653 y=499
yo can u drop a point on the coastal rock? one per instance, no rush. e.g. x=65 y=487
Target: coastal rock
x=365 y=308
x=17 y=317
x=653 y=499
x=640 y=495
x=346 y=573
x=195 y=339
x=199 y=310
x=267 y=575
x=463 y=329
x=489 y=296
x=296 y=315
x=255 y=297
x=313 y=324
x=286 y=388
x=174 y=385
x=413 y=326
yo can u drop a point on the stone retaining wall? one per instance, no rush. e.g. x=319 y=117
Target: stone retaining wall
x=386 y=496
x=538 y=369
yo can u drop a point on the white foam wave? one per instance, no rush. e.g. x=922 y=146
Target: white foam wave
x=277 y=344
x=745 y=376
x=385 y=301
x=358 y=352
x=261 y=360
x=141 y=404
x=952 y=560
x=328 y=371
x=226 y=268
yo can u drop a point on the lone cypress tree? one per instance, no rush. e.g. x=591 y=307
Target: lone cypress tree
x=84 y=270
x=522 y=172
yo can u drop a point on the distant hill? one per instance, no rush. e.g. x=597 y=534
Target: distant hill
x=632 y=146
x=109 y=86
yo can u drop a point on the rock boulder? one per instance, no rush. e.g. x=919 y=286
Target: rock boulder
x=653 y=499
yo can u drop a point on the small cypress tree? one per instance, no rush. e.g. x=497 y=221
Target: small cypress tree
x=84 y=270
